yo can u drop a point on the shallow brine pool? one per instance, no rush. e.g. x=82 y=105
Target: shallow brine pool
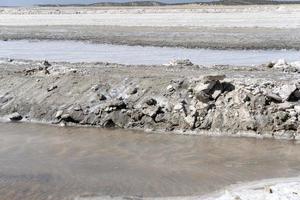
x=46 y=162
x=72 y=51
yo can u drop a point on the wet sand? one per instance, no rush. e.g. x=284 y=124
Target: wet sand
x=45 y=162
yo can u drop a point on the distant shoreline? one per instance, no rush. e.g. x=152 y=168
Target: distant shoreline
x=158 y=3
x=162 y=4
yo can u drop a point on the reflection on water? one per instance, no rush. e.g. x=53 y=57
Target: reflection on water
x=85 y=52
x=45 y=162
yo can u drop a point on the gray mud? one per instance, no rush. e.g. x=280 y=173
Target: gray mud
x=182 y=98
x=188 y=37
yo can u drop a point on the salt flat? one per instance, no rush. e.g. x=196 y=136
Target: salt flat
x=287 y=16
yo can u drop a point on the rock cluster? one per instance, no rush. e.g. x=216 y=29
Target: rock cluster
x=207 y=103
x=283 y=65
x=184 y=62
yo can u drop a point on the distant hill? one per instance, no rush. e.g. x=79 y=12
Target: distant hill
x=252 y=2
x=157 y=3
x=129 y=3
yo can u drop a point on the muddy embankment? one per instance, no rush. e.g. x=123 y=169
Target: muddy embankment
x=183 y=98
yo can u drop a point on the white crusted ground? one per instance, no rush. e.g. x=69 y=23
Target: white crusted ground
x=288 y=189
x=287 y=16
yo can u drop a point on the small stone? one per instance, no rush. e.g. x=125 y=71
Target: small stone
x=178 y=107
x=15 y=117
x=133 y=91
x=170 y=88
x=184 y=62
x=273 y=96
x=190 y=120
x=77 y=107
x=281 y=63
x=285 y=106
x=46 y=63
x=270 y=65
x=210 y=78
x=102 y=97
x=95 y=88
x=58 y=114
x=151 y=102
x=53 y=87
x=297 y=108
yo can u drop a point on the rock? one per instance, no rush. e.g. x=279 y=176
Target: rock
x=204 y=87
x=297 y=108
x=101 y=97
x=95 y=88
x=286 y=91
x=65 y=116
x=295 y=96
x=281 y=116
x=190 y=120
x=210 y=78
x=151 y=102
x=46 y=63
x=270 y=65
x=133 y=91
x=117 y=104
x=185 y=62
x=53 y=87
x=285 y=106
x=203 y=97
x=59 y=114
x=161 y=117
x=5 y=99
x=136 y=115
x=76 y=116
x=15 y=117
x=77 y=107
x=274 y=97
x=296 y=66
x=281 y=63
x=151 y=111
x=203 y=91
x=178 y=107
x=216 y=94
x=119 y=118
x=170 y=88
x=108 y=123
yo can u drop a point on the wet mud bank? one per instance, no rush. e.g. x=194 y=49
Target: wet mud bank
x=259 y=101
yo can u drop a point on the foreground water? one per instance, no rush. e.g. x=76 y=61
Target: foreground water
x=71 y=51
x=45 y=162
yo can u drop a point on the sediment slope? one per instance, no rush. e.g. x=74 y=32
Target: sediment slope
x=181 y=97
